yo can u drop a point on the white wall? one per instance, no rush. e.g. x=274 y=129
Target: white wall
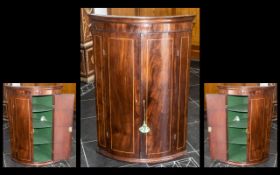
x=100 y=11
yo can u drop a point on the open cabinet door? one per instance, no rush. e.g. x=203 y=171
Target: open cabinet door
x=63 y=121
x=217 y=123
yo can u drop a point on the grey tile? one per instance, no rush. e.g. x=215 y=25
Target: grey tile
x=207 y=161
x=97 y=160
x=88 y=109
x=83 y=158
x=195 y=64
x=136 y=165
x=193 y=112
x=189 y=160
x=194 y=80
x=88 y=129
x=193 y=136
x=72 y=161
x=62 y=163
x=10 y=163
x=194 y=92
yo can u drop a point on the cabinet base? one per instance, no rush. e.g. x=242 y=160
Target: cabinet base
x=245 y=163
x=136 y=160
x=35 y=163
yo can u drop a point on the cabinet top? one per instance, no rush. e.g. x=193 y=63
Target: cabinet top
x=35 y=90
x=143 y=19
x=140 y=24
x=245 y=90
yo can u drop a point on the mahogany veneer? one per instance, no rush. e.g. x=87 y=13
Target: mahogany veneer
x=142 y=79
x=239 y=122
x=40 y=134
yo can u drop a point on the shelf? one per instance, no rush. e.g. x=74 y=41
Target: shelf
x=42 y=153
x=38 y=140
x=41 y=124
x=237 y=136
x=237 y=153
x=41 y=108
x=242 y=140
x=238 y=108
x=42 y=136
x=240 y=124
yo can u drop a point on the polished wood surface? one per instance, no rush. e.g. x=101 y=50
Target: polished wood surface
x=217 y=128
x=166 y=12
x=20 y=121
x=259 y=119
x=62 y=127
x=142 y=72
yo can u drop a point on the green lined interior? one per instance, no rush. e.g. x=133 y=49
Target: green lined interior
x=42 y=119
x=238 y=103
x=237 y=114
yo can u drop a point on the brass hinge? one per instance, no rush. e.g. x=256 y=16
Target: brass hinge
x=174 y=136
x=209 y=129
x=107 y=134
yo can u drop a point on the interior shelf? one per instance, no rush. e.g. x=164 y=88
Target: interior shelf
x=42 y=136
x=37 y=123
x=240 y=124
x=242 y=139
x=239 y=108
x=237 y=153
x=40 y=108
x=42 y=153
x=41 y=140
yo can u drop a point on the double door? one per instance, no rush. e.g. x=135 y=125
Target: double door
x=142 y=80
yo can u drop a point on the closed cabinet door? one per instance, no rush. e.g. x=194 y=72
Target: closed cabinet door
x=120 y=56
x=20 y=118
x=157 y=58
x=62 y=126
x=257 y=128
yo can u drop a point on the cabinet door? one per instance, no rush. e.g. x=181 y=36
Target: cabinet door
x=156 y=71
x=122 y=63
x=217 y=126
x=258 y=123
x=20 y=120
x=62 y=126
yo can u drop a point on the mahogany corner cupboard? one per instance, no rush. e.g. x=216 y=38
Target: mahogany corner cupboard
x=239 y=122
x=142 y=86
x=40 y=120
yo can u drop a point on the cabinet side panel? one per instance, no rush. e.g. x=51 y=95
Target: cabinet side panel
x=100 y=90
x=62 y=126
x=257 y=128
x=23 y=128
x=217 y=126
x=183 y=90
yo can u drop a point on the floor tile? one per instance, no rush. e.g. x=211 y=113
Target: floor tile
x=88 y=129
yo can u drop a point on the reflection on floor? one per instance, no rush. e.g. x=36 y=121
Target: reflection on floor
x=8 y=162
x=271 y=162
x=90 y=158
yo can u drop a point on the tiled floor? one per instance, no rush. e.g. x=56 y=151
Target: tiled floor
x=271 y=162
x=8 y=162
x=89 y=156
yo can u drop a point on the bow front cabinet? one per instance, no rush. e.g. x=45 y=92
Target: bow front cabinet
x=142 y=85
